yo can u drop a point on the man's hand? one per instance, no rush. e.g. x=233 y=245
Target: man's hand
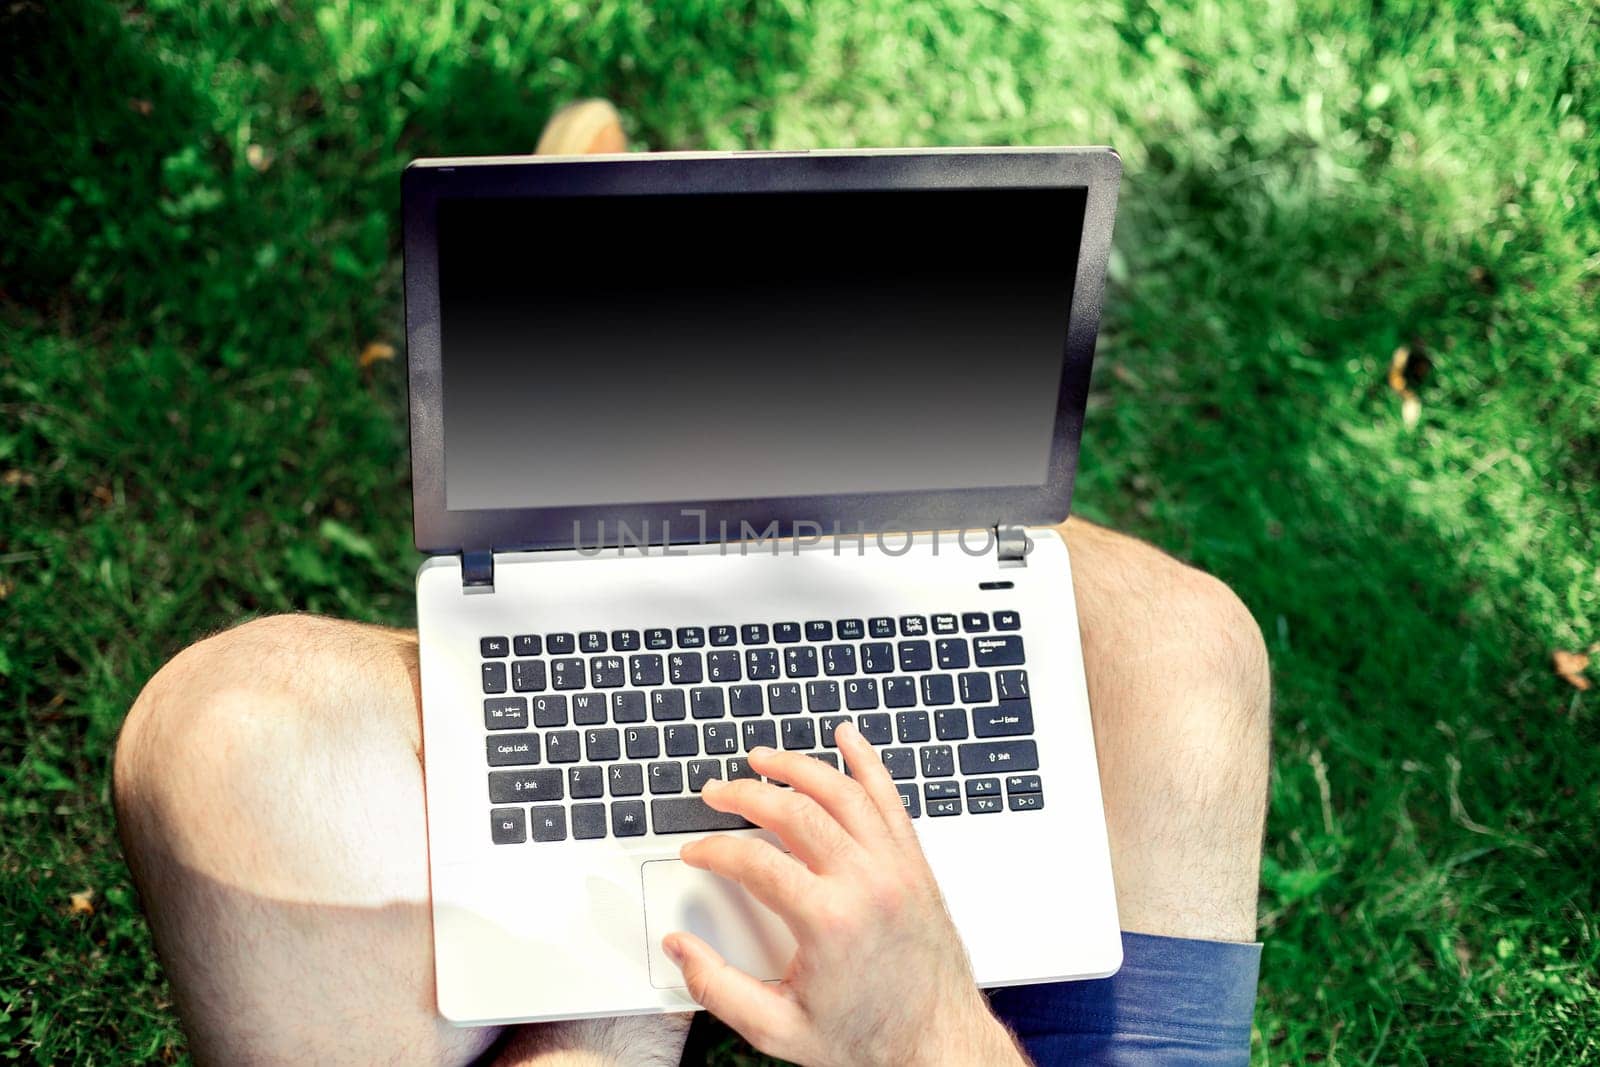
x=880 y=975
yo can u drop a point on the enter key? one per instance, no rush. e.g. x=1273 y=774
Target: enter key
x=1009 y=718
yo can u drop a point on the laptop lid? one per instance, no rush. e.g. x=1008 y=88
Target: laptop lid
x=687 y=347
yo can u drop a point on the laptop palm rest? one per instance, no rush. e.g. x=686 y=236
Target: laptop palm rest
x=680 y=897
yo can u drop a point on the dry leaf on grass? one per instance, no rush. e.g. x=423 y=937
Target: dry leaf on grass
x=258 y=158
x=1402 y=372
x=1571 y=665
x=376 y=352
x=82 y=902
x=140 y=106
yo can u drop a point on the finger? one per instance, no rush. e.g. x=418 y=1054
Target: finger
x=760 y=1013
x=808 y=831
x=832 y=790
x=780 y=882
x=866 y=766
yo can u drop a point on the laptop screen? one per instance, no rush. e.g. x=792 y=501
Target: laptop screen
x=727 y=346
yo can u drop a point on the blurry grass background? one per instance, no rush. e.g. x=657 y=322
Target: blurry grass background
x=199 y=236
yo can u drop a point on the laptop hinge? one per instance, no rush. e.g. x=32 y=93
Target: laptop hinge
x=1012 y=545
x=477 y=570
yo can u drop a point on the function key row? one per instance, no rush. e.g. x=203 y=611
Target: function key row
x=783 y=633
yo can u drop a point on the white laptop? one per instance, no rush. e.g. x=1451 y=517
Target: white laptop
x=682 y=428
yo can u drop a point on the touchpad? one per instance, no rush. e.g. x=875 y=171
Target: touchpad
x=680 y=897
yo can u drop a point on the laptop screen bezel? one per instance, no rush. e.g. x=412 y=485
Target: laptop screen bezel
x=426 y=182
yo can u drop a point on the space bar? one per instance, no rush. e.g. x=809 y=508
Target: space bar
x=685 y=815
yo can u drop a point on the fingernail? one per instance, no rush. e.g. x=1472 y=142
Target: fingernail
x=674 y=953
x=843 y=728
x=762 y=750
x=711 y=785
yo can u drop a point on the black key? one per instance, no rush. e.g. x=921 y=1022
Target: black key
x=944 y=624
x=666 y=705
x=827 y=724
x=1009 y=718
x=996 y=651
x=705 y=702
x=642 y=742
x=527 y=675
x=527 y=645
x=1012 y=685
x=786 y=633
x=744 y=700
x=606 y=672
x=822 y=696
x=913 y=626
x=938 y=761
x=951 y=652
x=830 y=758
x=702 y=771
x=761 y=663
x=899 y=692
x=975 y=687
x=687 y=815
x=983 y=787
x=627 y=707
x=838 y=659
x=912 y=726
x=915 y=656
x=625 y=780
x=567 y=673
x=721 y=738
x=950 y=724
x=784 y=698
x=561 y=746
x=691 y=637
x=494 y=677
x=666 y=777
x=494 y=647
x=524 y=787
x=512 y=750
x=657 y=639
x=875 y=728
x=682 y=740
x=909 y=800
x=1007 y=620
x=799 y=733
x=861 y=694
x=592 y=641
x=722 y=666
x=586 y=783
x=625 y=640
x=851 y=629
x=589 y=709
x=758 y=732
x=550 y=711
x=1025 y=801
x=938 y=689
x=740 y=768
x=900 y=762
x=646 y=669
x=602 y=744
x=819 y=630
x=753 y=633
x=938 y=808
x=877 y=657
x=723 y=635
x=941 y=790
x=800 y=662
x=627 y=818
x=880 y=627
x=588 y=821
x=508 y=826
x=984 y=805
x=505 y=713
x=974 y=622
x=1023 y=783
x=999 y=757
x=560 y=644
x=685 y=668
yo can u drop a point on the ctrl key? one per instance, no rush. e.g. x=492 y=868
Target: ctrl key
x=508 y=826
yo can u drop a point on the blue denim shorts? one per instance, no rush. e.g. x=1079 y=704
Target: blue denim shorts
x=1175 y=1001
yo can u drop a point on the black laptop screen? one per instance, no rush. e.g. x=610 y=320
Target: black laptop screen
x=652 y=349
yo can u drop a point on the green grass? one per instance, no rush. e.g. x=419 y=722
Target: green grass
x=186 y=438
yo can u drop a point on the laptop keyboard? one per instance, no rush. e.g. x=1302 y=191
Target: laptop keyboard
x=614 y=733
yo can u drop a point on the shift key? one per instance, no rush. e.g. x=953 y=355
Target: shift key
x=999 y=757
